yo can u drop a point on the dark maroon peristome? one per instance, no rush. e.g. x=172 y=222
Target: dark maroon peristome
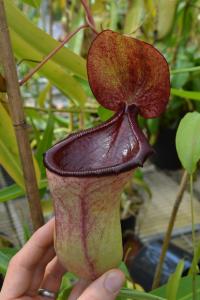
x=115 y=146
x=128 y=76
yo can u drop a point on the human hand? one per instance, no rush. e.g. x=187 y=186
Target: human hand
x=36 y=266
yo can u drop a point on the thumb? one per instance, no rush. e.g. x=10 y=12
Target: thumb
x=105 y=287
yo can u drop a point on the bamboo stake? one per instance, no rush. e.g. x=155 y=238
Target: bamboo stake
x=170 y=227
x=19 y=122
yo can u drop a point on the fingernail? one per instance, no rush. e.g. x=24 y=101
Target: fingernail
x=113 y=282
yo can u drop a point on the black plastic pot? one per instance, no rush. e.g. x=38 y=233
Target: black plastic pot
x=143 y=265
x=165 y=156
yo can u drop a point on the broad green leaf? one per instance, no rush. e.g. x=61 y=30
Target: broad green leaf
x=174 y=282
x=184 y=291
x=34 y=3
x=165 y=16
x=186 y=94
x=113 y=15
x=188 y=142
x=77 y=20
x=9 y=156
x=30 y=42
x=14 y=191
x=134 y=16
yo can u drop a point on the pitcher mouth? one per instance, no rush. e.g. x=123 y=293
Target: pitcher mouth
x=117 y=145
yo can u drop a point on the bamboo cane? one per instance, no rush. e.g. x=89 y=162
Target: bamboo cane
x=19 y=122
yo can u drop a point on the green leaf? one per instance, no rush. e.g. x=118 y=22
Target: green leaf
x=184 y=291
x=186 y=94
x=64 y=294
x=124 y=269
x=174 y=282
x=196 y=258
x=66 y=286
x=5 y=256
x=14 y=191
x=45 y=142
x=188 y=142
x=30 y=42
x=43 y=95
x=104 y=113
x=47 y=207
x=9 y=156
x=134 y=16
x=34 y=3
x=135 y=295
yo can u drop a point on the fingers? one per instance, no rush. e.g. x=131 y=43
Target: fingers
x=53 y=276
x=38 y=274
x=105 y=287
x=27 y=261
x=78 y=289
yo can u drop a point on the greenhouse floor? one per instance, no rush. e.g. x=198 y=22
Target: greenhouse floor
x=153 y=218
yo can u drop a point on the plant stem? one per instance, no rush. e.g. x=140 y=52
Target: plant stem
x=65 y=110
x=51 y=54
x=193 y=238
x=185 y=70
x=89 y=16
x=19 y=122
x=170 y=227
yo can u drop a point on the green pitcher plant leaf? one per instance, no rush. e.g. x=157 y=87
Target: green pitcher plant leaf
x=187 y=141
x=26 y=40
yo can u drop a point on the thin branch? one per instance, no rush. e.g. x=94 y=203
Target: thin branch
x=51 y=54
x=89 y=16
x=91 y=26
x=167 y=238
x=19 y=122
